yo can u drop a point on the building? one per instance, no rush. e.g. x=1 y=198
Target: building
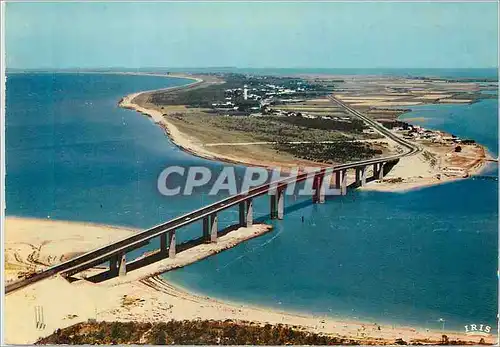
x=245 y=92
x=455 y=172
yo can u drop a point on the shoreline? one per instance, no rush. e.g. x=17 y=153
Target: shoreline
x=395 y=326
x=196 y=81
x=178 y=138
x=186 y=144
x=405 y=187
x=155 y=299
x=301 y=314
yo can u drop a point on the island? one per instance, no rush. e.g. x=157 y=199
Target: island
x=287 y=122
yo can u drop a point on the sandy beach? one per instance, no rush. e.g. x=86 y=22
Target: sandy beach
x=418 y=171
x=34 y=244
x=149 y=299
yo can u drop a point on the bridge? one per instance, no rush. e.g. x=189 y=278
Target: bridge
x=115 y=253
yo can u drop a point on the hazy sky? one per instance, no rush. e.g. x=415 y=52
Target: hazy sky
x=329 y=35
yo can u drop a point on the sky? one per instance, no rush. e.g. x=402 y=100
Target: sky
x=251 y=35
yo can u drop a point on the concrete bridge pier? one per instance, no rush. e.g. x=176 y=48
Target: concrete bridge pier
x=273 y=213
x=213 y=227
x=241 y=212
x=321 y=194
x=319 y=190
x=163 y=244
x=343 y=182
x=113 y=266
x=122 y=269
x=277 y=204
x=338 y=179
x=118 y=265
x=171 y=244
x=167 y=244
x=249 y=215
x=380 y=171
x=206 y=225
x=281 y=202
x=375 y=170
x=361 y=176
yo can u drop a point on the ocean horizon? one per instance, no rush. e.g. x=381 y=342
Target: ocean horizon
x=478 y=72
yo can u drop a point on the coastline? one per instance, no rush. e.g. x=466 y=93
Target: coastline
x=482 y=164
x=426 y=177
x=219 y=308
x=417 y=182
x=154 y=299
x=196 y=81
x=186 y=144
x=181 y=140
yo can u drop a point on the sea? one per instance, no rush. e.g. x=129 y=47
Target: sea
x=426 y=258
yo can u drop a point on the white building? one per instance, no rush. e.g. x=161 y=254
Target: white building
x=245 y=92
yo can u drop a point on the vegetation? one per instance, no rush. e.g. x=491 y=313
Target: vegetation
x=468 y=142
x=218 y=113
x=282 y=131
x=338 y=152
x=210 y=332
x=393 y=180
x=354 y=126
x=430 y=157
x=205 y=96
x=268 y=128
x=199 y=332
x=195 y=97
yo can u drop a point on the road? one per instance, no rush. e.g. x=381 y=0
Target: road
x=413 y=149
x=135 y=241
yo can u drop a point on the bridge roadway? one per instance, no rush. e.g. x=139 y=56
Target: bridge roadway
x=111 y=251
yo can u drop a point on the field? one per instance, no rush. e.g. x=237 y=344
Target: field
x=275 y=138
x=280 y=111
x=389 y=97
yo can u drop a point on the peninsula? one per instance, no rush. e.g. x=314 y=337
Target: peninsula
x=287 y=122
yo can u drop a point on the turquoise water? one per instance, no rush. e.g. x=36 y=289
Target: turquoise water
x=413 y=257
x=477 y=121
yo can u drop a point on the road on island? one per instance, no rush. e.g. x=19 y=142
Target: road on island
x=379 y=127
